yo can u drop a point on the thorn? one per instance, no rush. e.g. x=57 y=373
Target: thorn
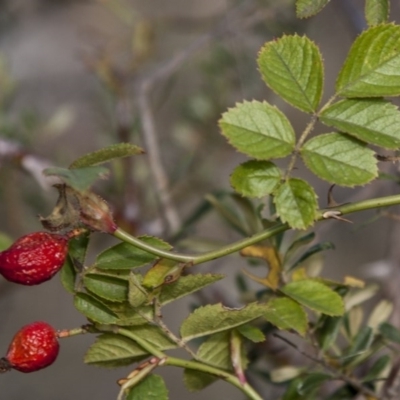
x=331 y=200
x=335 y=214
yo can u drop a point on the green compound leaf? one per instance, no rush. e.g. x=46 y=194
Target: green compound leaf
x=292 y=67
x=93 y=309
x=152 y=387
x=126 y=256
x=286 y=314
x=376 y=11
x=255 y=178
x=107 y=287
x=296 y=203
x=106 y=154
x=214 y=351
x=308 y=8
x=372 y=67
x=315 y=295
x=340 y=159
x=258 y=130
x=186 y=285
x=374 y=121
x=79 y=179
x=217 y=318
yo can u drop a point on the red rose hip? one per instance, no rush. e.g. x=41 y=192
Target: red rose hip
x=35 y=346
x=34 y=258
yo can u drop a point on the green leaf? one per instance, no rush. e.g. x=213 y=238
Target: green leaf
x=359 y=347
x=109 y=153
x=196 y=380
x=258 y=130
x=372 y=66
x=376 y=11
x=317 y=248
x=374 y=121
x=126 y=256
x=292 y=67
x=130 y=316
x=255 y=178
x=5 y=241
x=328 y=331
x=312 y=383
x=77 y=248
x=286 y=314
x=79 y=179
x=377 y=369
x=106 y=287
x=137 y=294
x=152 y=387
x=217 y=318
x=315 y=295
x=297 y=244
x=251 y=333
x=296 y=203
x=340 y=159
x=68 y=276
x=111 y=350
x=186 y=285
x=390 y=332
x=154 y=335
x=308 y=8
x=93 y=309
x=214 y=351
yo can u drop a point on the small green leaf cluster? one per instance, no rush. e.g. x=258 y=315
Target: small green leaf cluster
x=123 y=302
x=344 y=337
x=292 y=67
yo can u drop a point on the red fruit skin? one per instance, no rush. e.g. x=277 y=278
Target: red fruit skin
x=34 y=258
x=35 y=346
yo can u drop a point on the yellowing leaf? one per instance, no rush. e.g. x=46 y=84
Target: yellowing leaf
x=353 y=282
x=271 y=256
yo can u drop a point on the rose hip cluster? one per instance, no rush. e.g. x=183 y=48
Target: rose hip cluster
x=31 y=260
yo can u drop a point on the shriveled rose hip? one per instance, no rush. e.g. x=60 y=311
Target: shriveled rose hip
x=35 y=346
x=34 y=258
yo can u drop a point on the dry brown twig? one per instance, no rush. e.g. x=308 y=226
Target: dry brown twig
x=244 y=15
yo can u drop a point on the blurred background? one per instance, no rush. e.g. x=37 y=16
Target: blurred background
x=78 y=75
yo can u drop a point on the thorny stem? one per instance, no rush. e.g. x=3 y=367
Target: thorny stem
x=241 y=244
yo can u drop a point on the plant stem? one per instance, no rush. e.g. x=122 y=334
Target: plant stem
x=228 y=377
x=198 y=259
x=303 y=137
x=241 y=244
x=178 y=362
